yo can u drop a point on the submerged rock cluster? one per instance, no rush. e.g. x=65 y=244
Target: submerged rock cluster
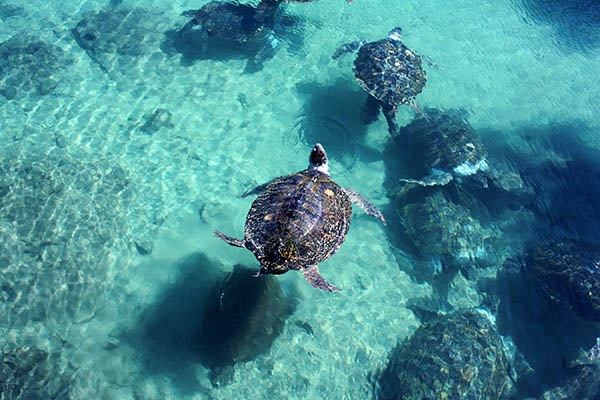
x=30 y=373
x=117 y=38
x=29 y=64
x=61 y=218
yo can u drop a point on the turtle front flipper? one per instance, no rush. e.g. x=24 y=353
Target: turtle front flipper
x=230 y=240
x=359 y=200
x=347 y=48
x=436 y=178
x=256 y=190
x=266 y=52
x=313 y=276
x=190 y=25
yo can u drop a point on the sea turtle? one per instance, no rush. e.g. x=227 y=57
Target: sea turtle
x=459 y=355
x=444 y=235
x=568 y=270
x=442 y=145
x=300 y=220
x=391 y=73
x=234 y=22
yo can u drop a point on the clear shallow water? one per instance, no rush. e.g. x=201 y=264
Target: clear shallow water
x=91 y=184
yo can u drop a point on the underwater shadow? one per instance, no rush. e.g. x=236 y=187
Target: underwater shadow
x=329 y=117
x=166 y=336
x=211 y=319
x=576 y=23
x=547 y=334
x=562 y=174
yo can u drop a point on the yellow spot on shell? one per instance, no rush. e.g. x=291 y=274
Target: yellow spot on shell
x=268 y=217
x=329 y=192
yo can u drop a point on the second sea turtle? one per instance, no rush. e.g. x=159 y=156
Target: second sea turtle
x=442 y=145
x=391 y=72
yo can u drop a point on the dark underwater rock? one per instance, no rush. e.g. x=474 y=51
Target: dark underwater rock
x=160 y=118
x=569 y=272
x=454 y=356
x=243 y=316
x=32 y=374
x=30 y=64
x=61 y=219
x=10 y=10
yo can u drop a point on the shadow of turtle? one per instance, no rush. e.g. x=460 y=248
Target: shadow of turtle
x=207 y=319
x=563 y=174
x=166 y=335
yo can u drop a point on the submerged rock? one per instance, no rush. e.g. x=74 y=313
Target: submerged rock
x=569 y=272
x=31 y=373
x=453 y=356
x=30 y=64
x=160 y=118
x=243 y=316
x=119 y=36
x=10 y=10
x=62 y=218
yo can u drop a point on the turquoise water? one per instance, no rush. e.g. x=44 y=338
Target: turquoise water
x=117 y=164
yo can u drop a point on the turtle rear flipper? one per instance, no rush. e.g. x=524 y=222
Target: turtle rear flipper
x=313 y=276
x=190 y=13
x=366 y=205
x=230 y=240
x=369 y=112
x=390 y=116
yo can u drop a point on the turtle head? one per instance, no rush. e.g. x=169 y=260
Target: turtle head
x=395 y=34
x=318 y=159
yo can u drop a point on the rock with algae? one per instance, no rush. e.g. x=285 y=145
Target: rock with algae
x=119 y=37
x=28 y=64
x=63 y=217
x=30 y=373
